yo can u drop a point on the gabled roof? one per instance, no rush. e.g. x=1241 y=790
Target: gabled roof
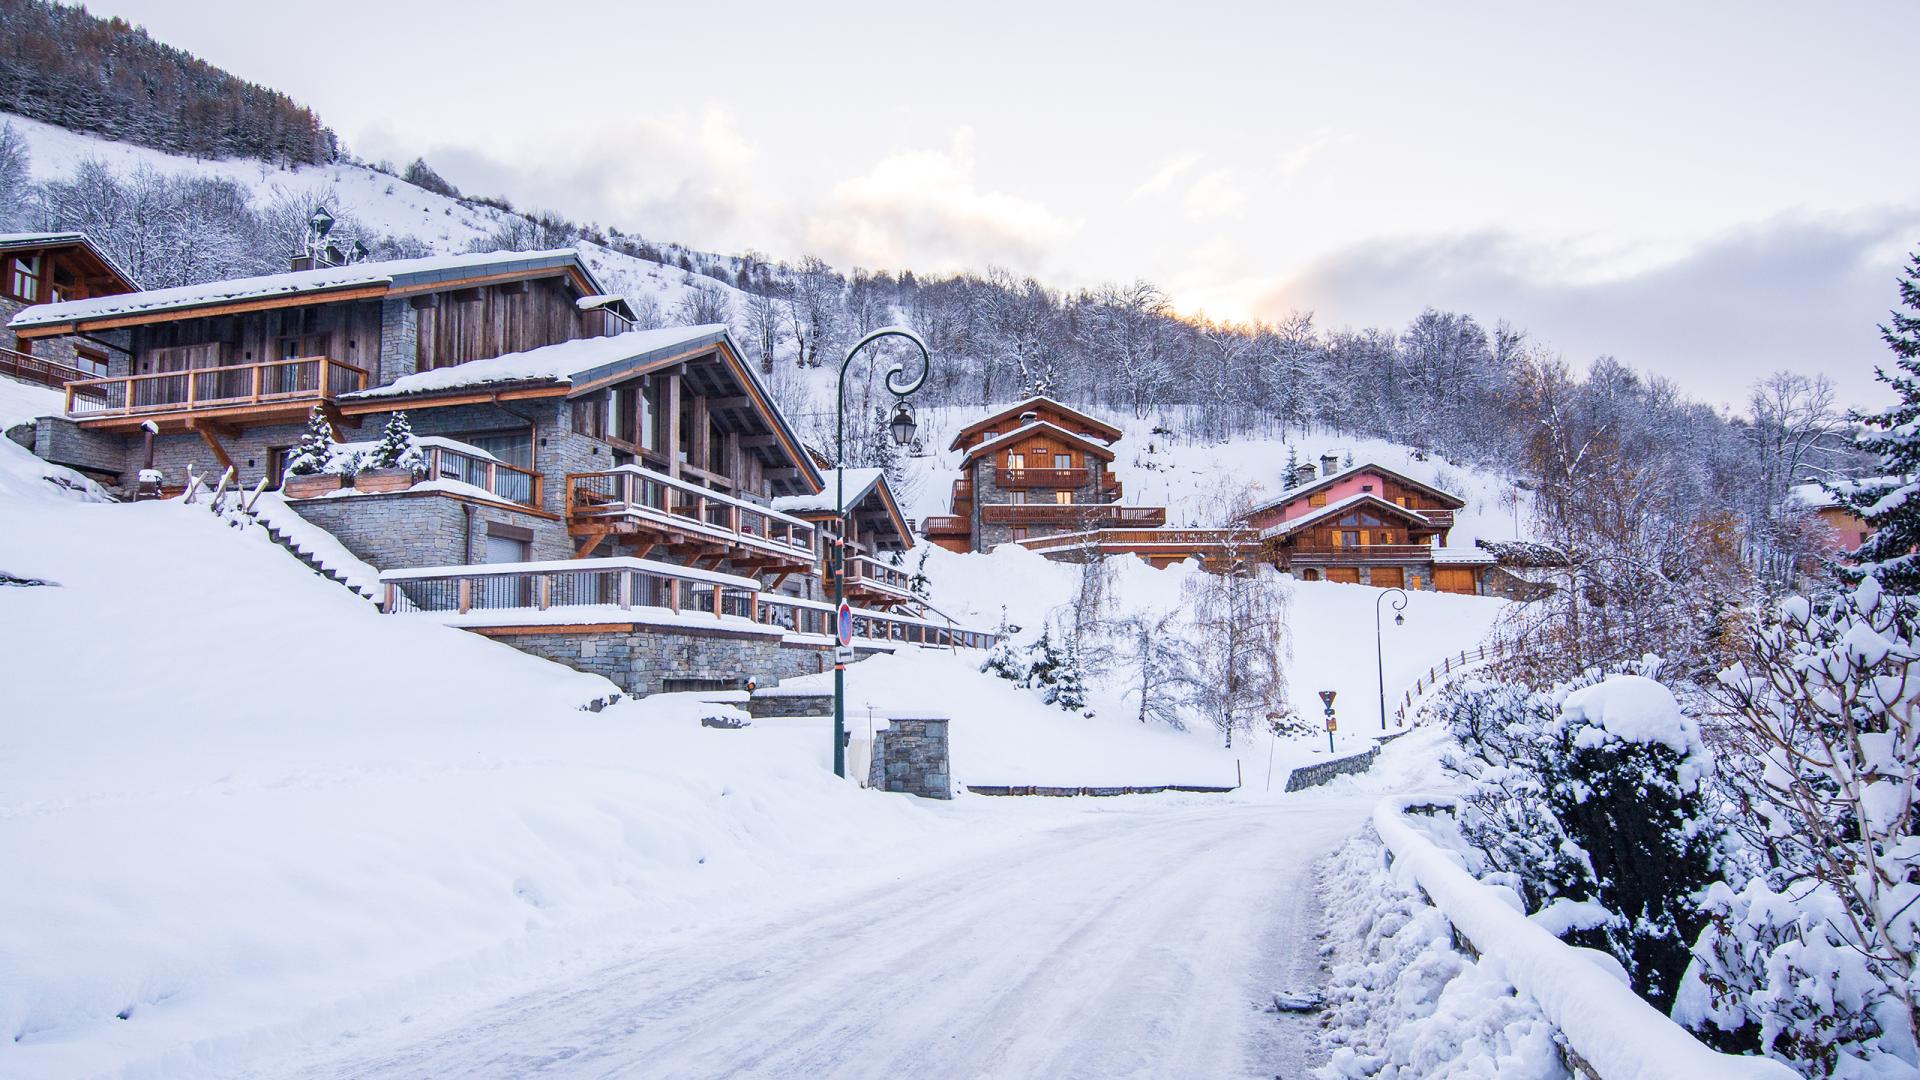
x=863 y=486
x=1100 y=428
x=1097 y=449
x=585 y=365
x=305 y=286
x=1302 y=490
x=1367 y=499
x=35 y=240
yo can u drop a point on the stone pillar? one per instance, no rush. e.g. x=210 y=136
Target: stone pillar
x=911 y=756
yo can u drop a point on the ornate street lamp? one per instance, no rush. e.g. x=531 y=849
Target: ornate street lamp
x=1379 y=658
x=902 y=427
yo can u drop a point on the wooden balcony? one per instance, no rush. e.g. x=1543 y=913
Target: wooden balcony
x=873 y=579
x=688 y=519
x=946 y=525
x=39 y=369
x=1355 y=556
x=1441 y=518
x=289 y=386
x=606 y=592
x=1154 y=541
x=509 y=483
x=1085 y=515
x=1064 y=479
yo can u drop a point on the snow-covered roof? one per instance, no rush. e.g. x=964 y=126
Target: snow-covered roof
x=859 y=483
x=1107 y=432
x=564 y=362
x=1338 y=506
x=606 y=300
x=393 y=273
x=1462 y=557
x=1090 y=445
x=15 y=241
x=1298 y=490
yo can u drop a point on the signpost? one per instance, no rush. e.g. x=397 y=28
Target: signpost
x=1326 y=698
x=846 y=624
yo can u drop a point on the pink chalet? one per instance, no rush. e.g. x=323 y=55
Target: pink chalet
x=1366 y=524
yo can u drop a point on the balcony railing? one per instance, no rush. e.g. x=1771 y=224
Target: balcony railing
x=1361 y=554
x=1090 y=515
x=945 y=525
x=1120 y=541
x=1040 y=478
x=510 y=483
x=312 y=378
x=877 y=576
x=1441 y=518
x=39 y=369
x=643 y=586
x=655 y=499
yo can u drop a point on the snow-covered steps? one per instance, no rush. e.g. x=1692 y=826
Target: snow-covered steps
x=315 y=546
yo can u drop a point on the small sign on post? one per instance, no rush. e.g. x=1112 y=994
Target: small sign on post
x=1326 y=697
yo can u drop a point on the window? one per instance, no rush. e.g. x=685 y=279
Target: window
x=1064 y=498
x=1318 y=498
x=1016 y=462
x=24 y=282
x=91 y=361
x=512 y=447
x=1063 y=461
x=277 y=465
x=1019 y=532
x=1016 y=498
x=990 y=436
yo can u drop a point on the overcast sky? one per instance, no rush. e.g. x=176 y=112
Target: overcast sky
x=1709 y=191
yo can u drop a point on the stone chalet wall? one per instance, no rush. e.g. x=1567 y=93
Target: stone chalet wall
x=911 y=755
x=986 y=489
x=407 y=529
x=639 y=658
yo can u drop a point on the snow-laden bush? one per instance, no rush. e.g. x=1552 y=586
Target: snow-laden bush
x=1816 y=960
x=1588 y=798
x=315 y=452
x=397 y=448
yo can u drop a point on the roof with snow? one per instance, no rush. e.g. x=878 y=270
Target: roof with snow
x=586 y=365
x=1097 y=428
x=1365 y=498
x=869 y=497
x=31 y=241
x=367 y=278
x=1091 y=446
x=1301 y=490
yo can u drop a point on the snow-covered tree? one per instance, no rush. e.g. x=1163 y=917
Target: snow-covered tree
x=1068 y=685
x=1887 y=503
x=1239 y=645
x=920 y=585
x=397 y=448
x=15 y=160
x=1153 y=657
x=314 y=455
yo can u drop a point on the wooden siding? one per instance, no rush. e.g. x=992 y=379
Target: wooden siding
x=489 y=320
x=346 y=331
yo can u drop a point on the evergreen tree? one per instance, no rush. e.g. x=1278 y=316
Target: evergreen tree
x=396 y=448
x=920 y=585
x=315 y=451
x=1044 y=661
x=1069 y=686
x=1886 y=503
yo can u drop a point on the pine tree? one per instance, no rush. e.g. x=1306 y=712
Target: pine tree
x=1069 y=687
x=920 y=585
x=1887 y=503
x=1044 y=661
x=396 y=448
x=315 y=451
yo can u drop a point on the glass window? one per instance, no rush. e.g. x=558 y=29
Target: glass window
x=1318 y=498
x=1064 y=498
x=24 y=282
x=512 y=447
x=90 y=361
x=1063 y=461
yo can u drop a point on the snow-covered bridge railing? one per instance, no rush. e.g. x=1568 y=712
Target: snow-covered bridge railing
x=1608 y=1031
x=680 y=594
x=1438 y=674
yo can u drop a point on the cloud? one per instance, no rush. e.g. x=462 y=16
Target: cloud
x=1163 y=178
x=1800 y=291
x=925 y=209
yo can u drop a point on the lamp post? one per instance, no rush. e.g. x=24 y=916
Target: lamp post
x=901 y=425
x=1379 y=656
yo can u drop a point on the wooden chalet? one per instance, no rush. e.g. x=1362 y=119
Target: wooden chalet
x=1366 y=524
x=52 y=267
x=876 y=531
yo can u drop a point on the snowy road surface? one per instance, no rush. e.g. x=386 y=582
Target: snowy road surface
x=1140 y=942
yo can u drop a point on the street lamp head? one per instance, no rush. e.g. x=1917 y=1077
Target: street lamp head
x=902 y=424
x=321 y=221
x=1399 y=620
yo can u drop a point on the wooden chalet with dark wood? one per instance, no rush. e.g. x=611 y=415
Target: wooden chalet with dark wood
x=877 y=533
x=1366 y=524
x=43 y=268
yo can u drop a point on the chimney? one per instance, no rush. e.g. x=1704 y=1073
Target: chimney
x=1329 y=464
x=1029 y=416
x=1302 y=474
x=303 y=261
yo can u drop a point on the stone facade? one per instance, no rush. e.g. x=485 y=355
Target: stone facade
x=1308 y=776
x=639 y=659
x=911 y=755
x=407 y=529
x=399 y=340
x=97 y=453
x=987 y=489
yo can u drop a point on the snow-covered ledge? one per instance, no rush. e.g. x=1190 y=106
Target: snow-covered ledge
x=1616 y=1035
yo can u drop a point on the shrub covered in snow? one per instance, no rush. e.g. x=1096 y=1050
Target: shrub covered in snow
x=397 y=448
x=315 y=451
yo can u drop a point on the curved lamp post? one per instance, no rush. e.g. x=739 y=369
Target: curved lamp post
x=1379 y=657
x=902 y=425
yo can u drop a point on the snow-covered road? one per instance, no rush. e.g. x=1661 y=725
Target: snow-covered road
x=1138 y=942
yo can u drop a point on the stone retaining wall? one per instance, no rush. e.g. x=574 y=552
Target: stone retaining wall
x=911 y=755
x=1308 y=776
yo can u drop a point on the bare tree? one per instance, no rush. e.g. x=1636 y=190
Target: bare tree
x=766 y=325
x=814 y=309
x=15 y=175
x=702 y=303
x=1152 y=652
x=1239 y=636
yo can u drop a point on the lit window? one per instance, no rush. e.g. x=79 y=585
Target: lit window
x=1064 y=498
x=1318 y=498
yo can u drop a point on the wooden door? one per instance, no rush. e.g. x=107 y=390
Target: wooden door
x=1347 y=574
x=1389 y=577
x=1453 y=580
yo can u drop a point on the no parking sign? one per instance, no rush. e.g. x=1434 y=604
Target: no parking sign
x=846 y=623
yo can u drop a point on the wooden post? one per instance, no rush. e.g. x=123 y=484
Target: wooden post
x=626 y=589
x=718 y=597
x=493 y=476
x=673 y=425
x=325 y=388
x=466 y=595
x=392 y=600
x=545 y=590
x=256 y=382
x=673 y=594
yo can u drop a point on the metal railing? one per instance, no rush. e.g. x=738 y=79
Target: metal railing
x=625 y=584
x=314 y=378
x=1121 y=541
x=39 y=369
x=499 y=479
x=1040 y=478
x=673 y=505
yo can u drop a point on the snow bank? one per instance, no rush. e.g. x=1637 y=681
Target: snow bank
x=1616 y=1032
x=1634 y=709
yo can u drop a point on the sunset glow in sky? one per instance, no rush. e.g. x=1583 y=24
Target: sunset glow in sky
x=1709 y=191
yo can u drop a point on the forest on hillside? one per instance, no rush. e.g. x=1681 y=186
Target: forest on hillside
x=65 y=66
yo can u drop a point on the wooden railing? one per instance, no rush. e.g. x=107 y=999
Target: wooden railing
x=945 y=525
x=39 y=369
x=624 y=584
x=1092 y=515
x=508 y=482
x=646 y=496
x=1364 y=553
x=1040 y=478
x=309 y=378
x=1121 y=540
x=1435 y=675
x=871 y=572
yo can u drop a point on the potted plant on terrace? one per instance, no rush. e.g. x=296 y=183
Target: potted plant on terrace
x=395 y=460
x=310 y=472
